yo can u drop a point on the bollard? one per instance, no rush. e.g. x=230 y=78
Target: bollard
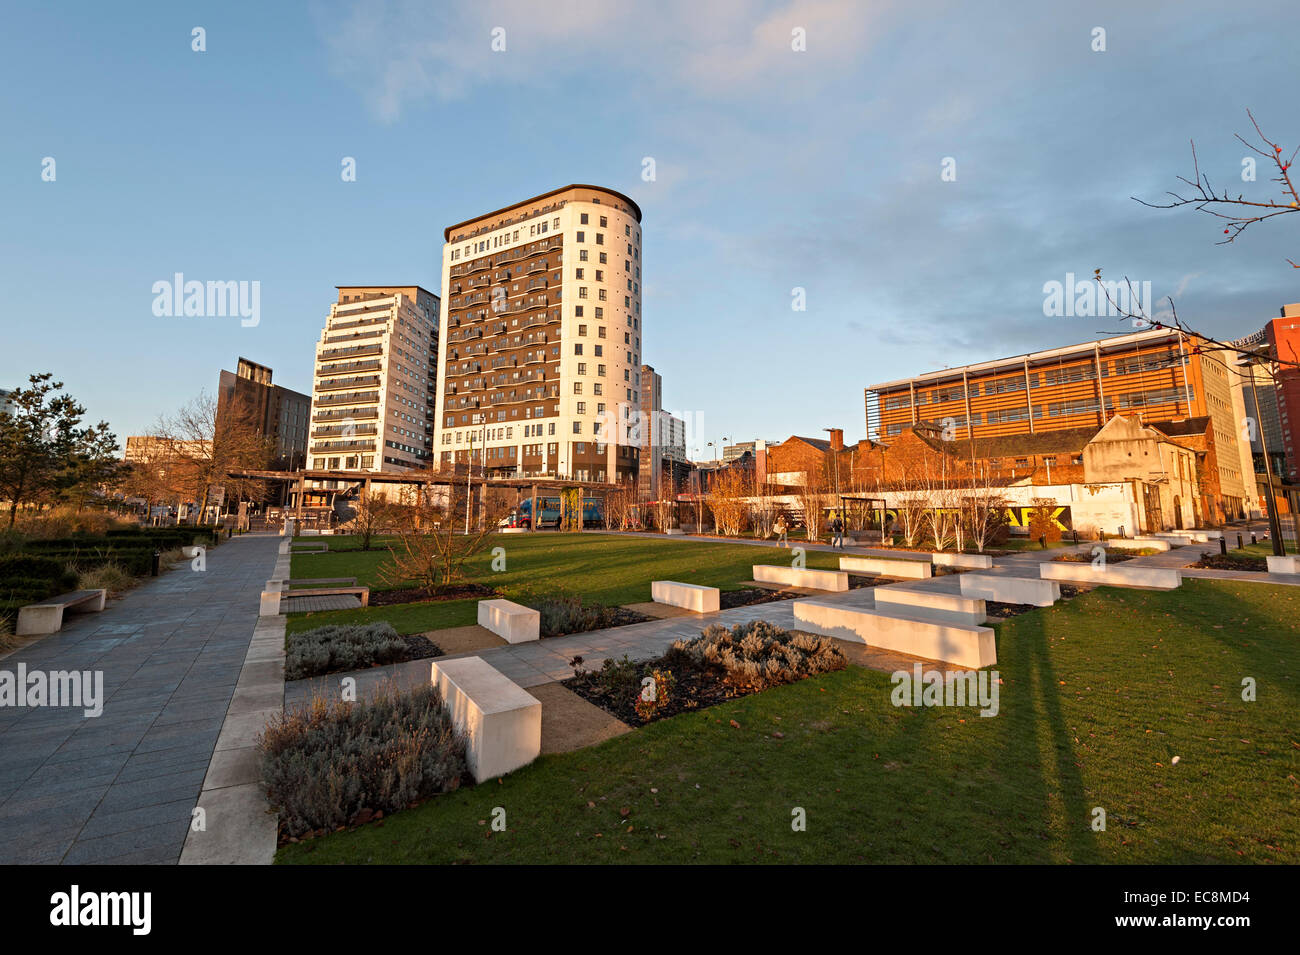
x=1223 y=547
x=157 y=563
x=1253 y=539
x=1240 y=543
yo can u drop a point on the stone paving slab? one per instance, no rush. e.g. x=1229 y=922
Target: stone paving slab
x=120 y=787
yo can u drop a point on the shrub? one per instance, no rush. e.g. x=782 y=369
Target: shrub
x=331 y=764
x=563 y=613
x=110 y=576
x=341 y=647
x=757 y=655
x=36 y=567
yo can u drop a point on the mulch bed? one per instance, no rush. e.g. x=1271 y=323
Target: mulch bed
x=730 y=599
x=420 y=647
x=997 y=610
x=1220 y=562
x=410 y=595
x=1087 y=558
x=693 y=689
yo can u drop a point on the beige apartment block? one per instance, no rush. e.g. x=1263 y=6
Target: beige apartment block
x=540 y=343
x=375 y=380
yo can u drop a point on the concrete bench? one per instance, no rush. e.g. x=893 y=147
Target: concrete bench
x=1114 y=575
x=690 y=596
x=961 y=644
x=1187 y=537
x=1284 y=565
x=310 y=547
x=277 y=591
x=887 y=567
x=835 y=581
x=501 y=721
x=931 y=604
x=512 y=621
x=1011 y=590
x=969 y=561
x=1129 y=543
x=47 y=616
x=674 y=532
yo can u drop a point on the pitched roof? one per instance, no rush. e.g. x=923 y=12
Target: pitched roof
x=821 y=444
x=1062 y=441
x=1183 y=427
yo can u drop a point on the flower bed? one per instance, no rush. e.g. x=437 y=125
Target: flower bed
x=718 y=665
x=332 y=765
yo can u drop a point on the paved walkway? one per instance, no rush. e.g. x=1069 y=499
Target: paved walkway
x=121 y=787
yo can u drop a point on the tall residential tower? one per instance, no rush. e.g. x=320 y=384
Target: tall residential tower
x=375 y=381
x=540 y=345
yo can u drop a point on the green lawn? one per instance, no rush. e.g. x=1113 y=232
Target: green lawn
x=1100 y=693
x=604 y=568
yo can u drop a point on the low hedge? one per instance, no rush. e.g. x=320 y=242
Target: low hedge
x=335 y=648
x=337 y=764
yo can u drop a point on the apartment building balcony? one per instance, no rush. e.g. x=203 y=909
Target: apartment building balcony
x=349 y=351
x=354 y=337
x=343 y=446
x=355 y=398
x=343 y=414
x=379 y=318
x=360 y=381
x=345 y=430
x=348 y=367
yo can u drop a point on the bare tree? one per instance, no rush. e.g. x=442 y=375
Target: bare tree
x=984 y=510
x=727 y=501
x=209 y=446
x=429 y=549
x=811 y=499
x=371 y=515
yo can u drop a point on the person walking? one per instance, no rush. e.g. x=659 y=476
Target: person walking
x=838 y=527
x=780 y=530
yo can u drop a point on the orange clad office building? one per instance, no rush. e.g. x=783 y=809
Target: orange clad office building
x=1159 y=375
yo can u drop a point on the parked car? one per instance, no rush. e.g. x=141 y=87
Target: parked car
x=515 y=519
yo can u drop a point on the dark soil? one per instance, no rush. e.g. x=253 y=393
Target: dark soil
x=1087 y=558
x=1220 y=562
x=997 y=610
x=730 y=599
x=692 y=690
x=420 y=647
x=410 y=595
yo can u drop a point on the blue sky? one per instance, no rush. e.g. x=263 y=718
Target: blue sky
x=775 y=169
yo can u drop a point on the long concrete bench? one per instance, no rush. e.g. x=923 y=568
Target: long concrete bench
x=514 y=622
x=47 y=616
x=968 y=561
x=931 y=604
x=887 y=567
x=500 y=720
x=836 y=581
x=1284 y=565
x=689 y=596
x=1011 y=590
x=1130 y=543
x=1189 y=537
x=1114 y=575
x=962 y=644
x=277 y=591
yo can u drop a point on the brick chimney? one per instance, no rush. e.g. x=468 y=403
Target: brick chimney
x=837 y=439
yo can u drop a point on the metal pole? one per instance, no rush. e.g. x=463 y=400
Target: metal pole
x=1274 y=525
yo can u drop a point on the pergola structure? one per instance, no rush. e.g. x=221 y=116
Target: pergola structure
x=563 y=488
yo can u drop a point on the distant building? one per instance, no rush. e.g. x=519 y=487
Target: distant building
x=733 y=451
x=279 y=414
x=6 y=401
x=376 y=380
x=1158 y=375
x=662 y=438
x=541 y=338
x=146 y=448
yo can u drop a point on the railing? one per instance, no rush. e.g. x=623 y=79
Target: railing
x=360 y=381
x=356 y=397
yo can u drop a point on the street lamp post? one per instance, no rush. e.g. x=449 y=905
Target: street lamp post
x=838 y=498
x=1274 y=523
